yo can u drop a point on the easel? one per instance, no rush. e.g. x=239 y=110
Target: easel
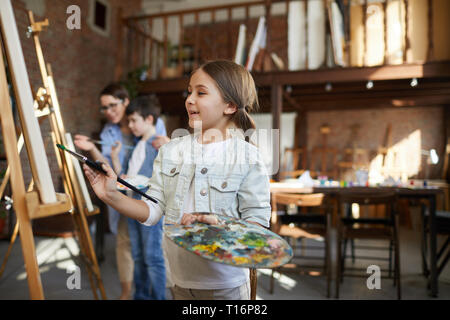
x=387 y=142
x=71 y=181
x=324 y=152
x=352 y=154
x=27 y=205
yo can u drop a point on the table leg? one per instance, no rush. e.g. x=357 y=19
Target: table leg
x=433 y=247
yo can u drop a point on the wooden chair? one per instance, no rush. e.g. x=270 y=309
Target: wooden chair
x=323 y=159
x=351 y=228
x=443 y=228
x=302 y=226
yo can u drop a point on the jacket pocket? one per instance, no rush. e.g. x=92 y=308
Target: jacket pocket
x=223 y=192
x=170 y=173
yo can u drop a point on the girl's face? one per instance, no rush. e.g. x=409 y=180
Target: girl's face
x=113 y=108
x=205 y=103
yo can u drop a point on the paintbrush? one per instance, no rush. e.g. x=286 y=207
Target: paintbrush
x=109 y=144
x=97 y=166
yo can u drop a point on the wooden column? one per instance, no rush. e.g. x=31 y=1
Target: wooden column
x=301 y=129
x=267 y=61
x=277 y=107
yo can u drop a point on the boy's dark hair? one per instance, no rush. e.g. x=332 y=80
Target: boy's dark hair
x=145 y=106
x=116 y=90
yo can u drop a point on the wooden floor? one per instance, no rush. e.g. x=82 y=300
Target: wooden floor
x=57 y=255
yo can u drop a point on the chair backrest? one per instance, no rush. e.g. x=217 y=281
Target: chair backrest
x=368 y=197
x=364 y=197
x=300 y=200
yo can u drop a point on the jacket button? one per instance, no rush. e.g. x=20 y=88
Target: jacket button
x=173 y=170
x=224 y=185
x=203 y=192
x=204 y=170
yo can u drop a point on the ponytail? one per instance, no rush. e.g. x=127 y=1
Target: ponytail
x=243 y=120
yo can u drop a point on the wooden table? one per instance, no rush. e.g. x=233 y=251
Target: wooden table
x=420 y=193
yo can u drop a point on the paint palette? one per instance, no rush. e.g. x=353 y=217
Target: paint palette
x=232 y=241
x=139 y=181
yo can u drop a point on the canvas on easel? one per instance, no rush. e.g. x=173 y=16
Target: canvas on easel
x=33 y=138
x=336 y=21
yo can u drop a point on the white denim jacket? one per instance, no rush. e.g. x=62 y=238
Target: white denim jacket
x=235 y=183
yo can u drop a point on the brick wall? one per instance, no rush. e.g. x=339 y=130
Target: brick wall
x=214 y=37
x=412 y=129
x=82 y=63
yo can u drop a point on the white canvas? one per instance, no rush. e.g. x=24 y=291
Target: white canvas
x=316 y=34
x=21 y=83
x=296 y=36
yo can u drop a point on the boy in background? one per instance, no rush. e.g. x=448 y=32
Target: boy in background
x=146 y=241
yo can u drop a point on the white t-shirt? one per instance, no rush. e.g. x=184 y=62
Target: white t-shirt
x=137 y=158
x=187 y=269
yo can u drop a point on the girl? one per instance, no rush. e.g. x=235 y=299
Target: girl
x=213 y=170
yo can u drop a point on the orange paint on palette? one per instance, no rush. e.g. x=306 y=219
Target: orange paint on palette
x=241 y=260
x=205 y=248
x=260 y=257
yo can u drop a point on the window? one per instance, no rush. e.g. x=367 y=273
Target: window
x=99 y=16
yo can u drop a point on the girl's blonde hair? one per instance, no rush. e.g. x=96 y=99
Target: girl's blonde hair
x=237 y=87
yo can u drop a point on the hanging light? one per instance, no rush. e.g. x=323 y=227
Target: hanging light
x=328 y=87
x=369 y=85
x=414 y=82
